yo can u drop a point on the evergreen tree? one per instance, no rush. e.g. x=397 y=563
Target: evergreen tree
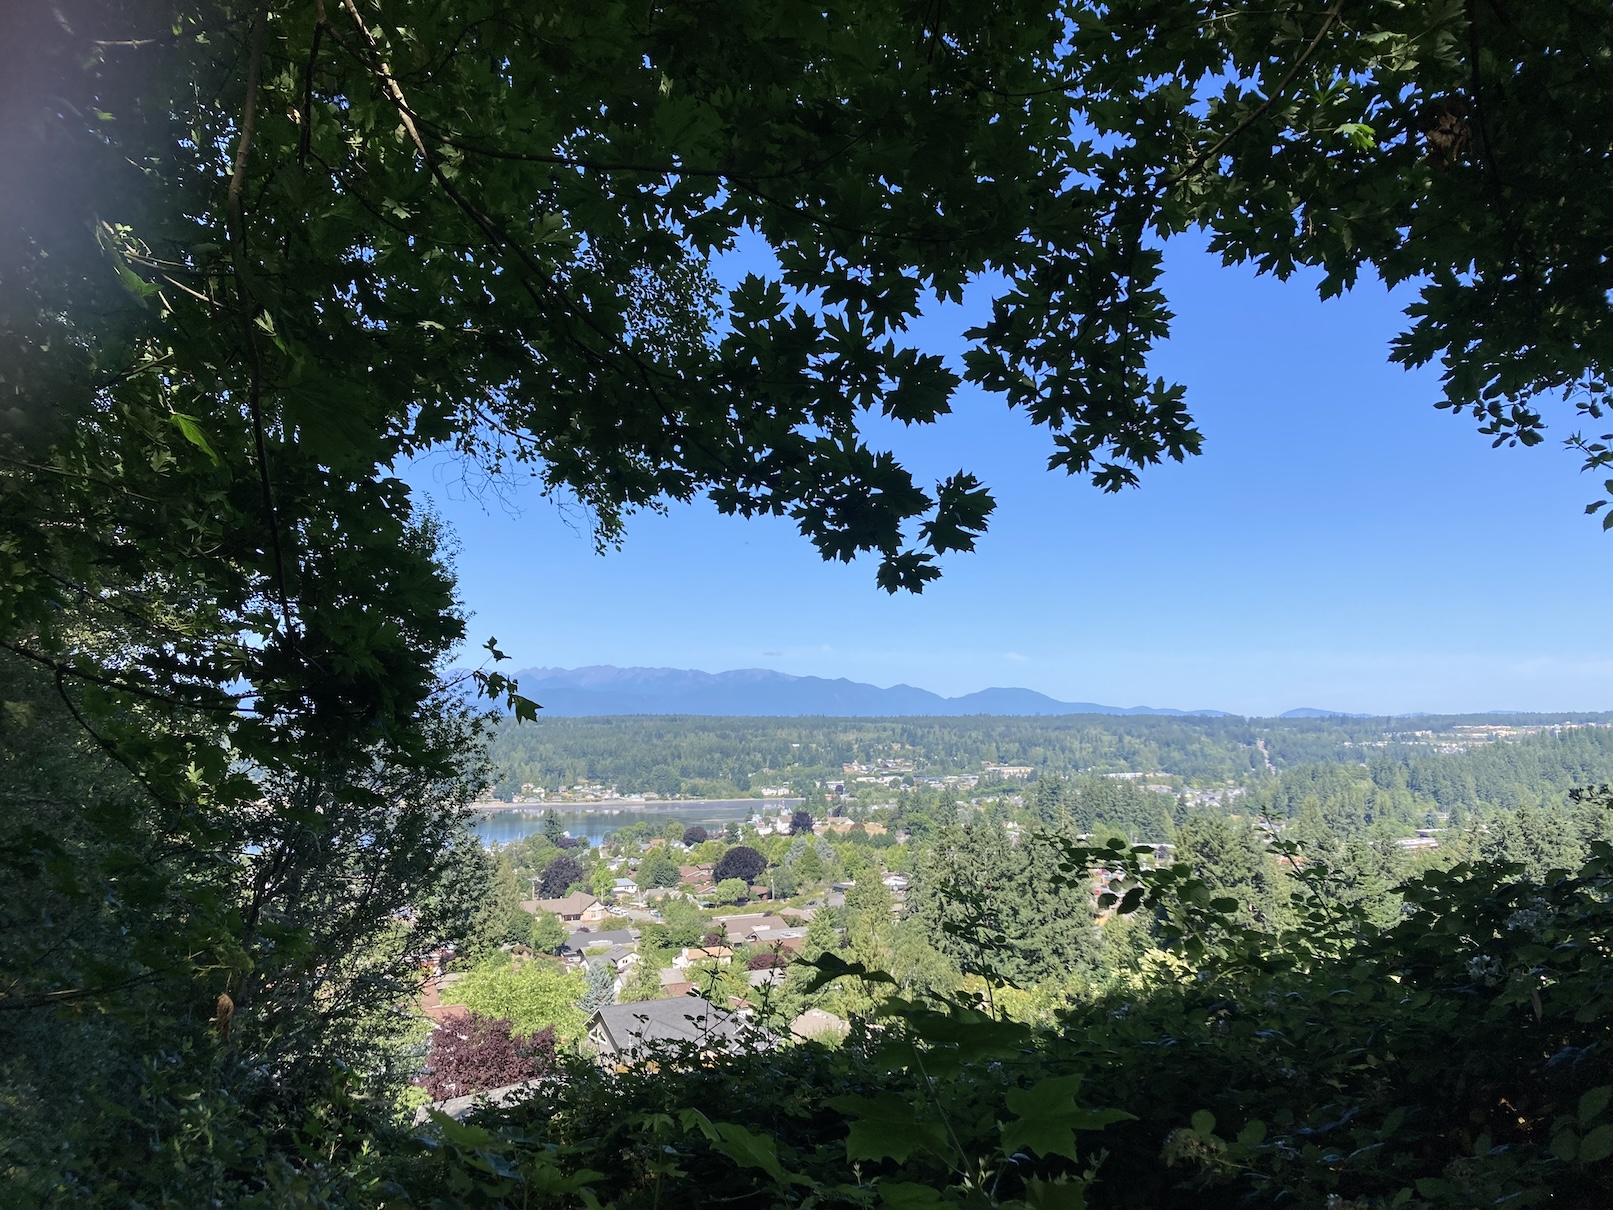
x=870 y=941
x=601 y=989
x=1310 y=831
x=1231 y=858
x=822 y=937
x=501 y=920
x=1540 y=840
x=1004 y=910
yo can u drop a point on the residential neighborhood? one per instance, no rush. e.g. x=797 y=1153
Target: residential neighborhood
x=663 y=937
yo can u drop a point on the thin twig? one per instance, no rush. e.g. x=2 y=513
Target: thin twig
x=1215 y=149
x=305 y=138
x=237 y=233
x=78 y=674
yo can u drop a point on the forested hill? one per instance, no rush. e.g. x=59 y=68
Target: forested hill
x=607 y=690
x=711 y=756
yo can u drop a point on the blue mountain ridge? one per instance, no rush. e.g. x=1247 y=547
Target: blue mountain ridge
x=604 y=689
x=1313 y=712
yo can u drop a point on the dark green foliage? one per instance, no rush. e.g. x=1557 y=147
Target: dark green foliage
x=127 y=916
x=501 y=920
x=1456 y=1058
x=657 y=870
x=681 y=924
x=1007 y=910
x=1088 y=803
x=1231 y=858
x=695 y=835
x=548 y=933
x=698 y=752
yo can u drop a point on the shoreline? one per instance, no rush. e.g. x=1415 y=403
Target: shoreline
x=617 y=805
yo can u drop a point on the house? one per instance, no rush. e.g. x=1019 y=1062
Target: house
x=619 y=960
x=618 y=957
x=1418 y=842
x=686 y=958
x=840 y=826
x=459 y=1107
x=817 y=1025
x=674 y=982
x=776 y=935
x=741 y=928
x=579 y=907
x=581 y=941
x=623 y=1030
x=431 y=1000
x=1009 y=772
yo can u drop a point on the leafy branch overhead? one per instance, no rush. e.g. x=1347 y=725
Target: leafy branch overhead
x=493 y=228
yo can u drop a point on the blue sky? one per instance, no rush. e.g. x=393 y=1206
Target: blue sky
x=1339 y=543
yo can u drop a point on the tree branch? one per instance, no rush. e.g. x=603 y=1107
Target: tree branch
x=237 y=232
x=1215 y=149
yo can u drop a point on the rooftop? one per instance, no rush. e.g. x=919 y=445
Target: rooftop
x=626 y=1027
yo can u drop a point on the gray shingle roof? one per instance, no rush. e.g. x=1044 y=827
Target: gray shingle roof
x=582 y=940
x=628 y=1027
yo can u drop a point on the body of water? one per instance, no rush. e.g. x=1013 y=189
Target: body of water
x=593 y=823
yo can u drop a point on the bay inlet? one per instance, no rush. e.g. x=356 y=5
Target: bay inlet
x=501 y=823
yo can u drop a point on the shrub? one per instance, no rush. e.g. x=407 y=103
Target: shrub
x=742 y=862
x=533 y=995
x=473 y=1054
x=558 y=876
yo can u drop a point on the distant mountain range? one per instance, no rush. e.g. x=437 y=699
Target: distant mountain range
x=1313 y=712
x=603 y=689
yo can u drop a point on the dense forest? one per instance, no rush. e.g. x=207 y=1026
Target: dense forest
x=712 y=756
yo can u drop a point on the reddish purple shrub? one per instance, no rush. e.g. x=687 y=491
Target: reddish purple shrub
x=558 y=876
x=766 y=960
x=473 y=1054
x=741 y=862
